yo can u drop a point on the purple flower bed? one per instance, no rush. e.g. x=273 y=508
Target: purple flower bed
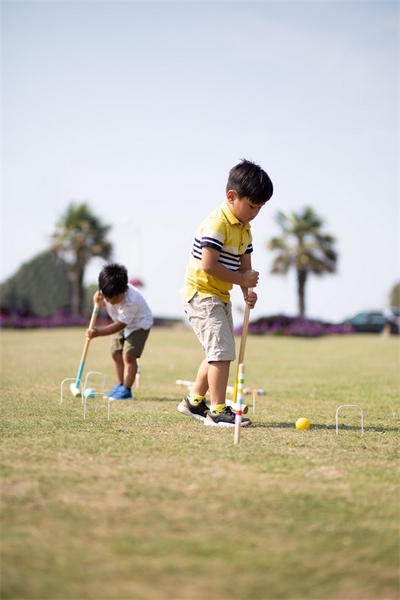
x=294 y=326
x=15 y=321
x=274 y=325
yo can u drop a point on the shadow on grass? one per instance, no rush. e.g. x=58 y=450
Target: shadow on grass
x=283 y=425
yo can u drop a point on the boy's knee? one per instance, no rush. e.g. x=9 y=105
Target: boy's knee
x=130 y=359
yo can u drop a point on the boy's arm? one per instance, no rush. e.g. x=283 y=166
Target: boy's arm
x=245 y=276
x=245 y=265
x=114 y=327
x=98 y=298
x=108 y=329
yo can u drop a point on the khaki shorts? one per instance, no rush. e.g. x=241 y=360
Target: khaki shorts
x=133 y=344
x=211 y=320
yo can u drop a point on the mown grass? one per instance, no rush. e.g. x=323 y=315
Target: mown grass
x=155 y=506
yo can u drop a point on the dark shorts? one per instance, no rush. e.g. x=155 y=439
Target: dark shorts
x=133 y=344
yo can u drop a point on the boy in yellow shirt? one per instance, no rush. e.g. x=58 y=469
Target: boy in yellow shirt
x=221 y=258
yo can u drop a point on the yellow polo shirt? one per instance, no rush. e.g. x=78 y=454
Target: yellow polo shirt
x=222 y=231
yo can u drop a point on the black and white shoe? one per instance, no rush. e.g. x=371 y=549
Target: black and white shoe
x=197 y=411
x=226 y=418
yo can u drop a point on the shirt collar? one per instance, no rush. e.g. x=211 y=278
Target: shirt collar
x=230 y=216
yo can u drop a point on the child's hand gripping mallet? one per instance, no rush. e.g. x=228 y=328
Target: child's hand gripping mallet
x=75 y=387
x=240 y=373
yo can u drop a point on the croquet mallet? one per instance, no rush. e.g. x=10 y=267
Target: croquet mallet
x=240 y=372
x=75 y=387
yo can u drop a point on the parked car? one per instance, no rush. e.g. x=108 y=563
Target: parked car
x=375 y=321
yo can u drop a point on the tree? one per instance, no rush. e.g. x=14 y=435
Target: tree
x=303 y=246
x=80 y=236
x=39 y=288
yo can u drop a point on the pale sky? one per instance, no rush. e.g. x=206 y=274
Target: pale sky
x=141 y=108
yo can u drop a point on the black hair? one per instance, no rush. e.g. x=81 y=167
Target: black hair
x=249 y=180
x=113 y=280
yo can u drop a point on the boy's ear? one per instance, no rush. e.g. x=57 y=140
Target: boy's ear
x=231 y=196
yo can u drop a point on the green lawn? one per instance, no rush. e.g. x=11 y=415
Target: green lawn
x=152 y=505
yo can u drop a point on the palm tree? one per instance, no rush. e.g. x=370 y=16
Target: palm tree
x=303 y=246
x=79 y=236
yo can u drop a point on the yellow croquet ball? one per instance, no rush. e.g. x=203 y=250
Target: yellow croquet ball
x=302 y=423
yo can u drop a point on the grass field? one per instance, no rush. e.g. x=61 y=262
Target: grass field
x=152 y=505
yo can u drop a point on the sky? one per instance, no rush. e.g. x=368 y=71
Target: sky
x=140 y=109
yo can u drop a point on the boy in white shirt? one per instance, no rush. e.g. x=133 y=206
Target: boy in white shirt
x=132 y=321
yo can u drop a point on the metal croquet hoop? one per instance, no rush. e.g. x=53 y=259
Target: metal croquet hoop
x=109 y=402
x=97 y=375
x=82 y=386
x=62 y=387
x=349 y=406
x=101 y=380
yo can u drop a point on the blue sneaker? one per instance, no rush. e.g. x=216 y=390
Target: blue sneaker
x=122 y=393
x=113 y=391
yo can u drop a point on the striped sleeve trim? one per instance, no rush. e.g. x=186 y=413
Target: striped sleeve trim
x=229 y=260
x=211 y=242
